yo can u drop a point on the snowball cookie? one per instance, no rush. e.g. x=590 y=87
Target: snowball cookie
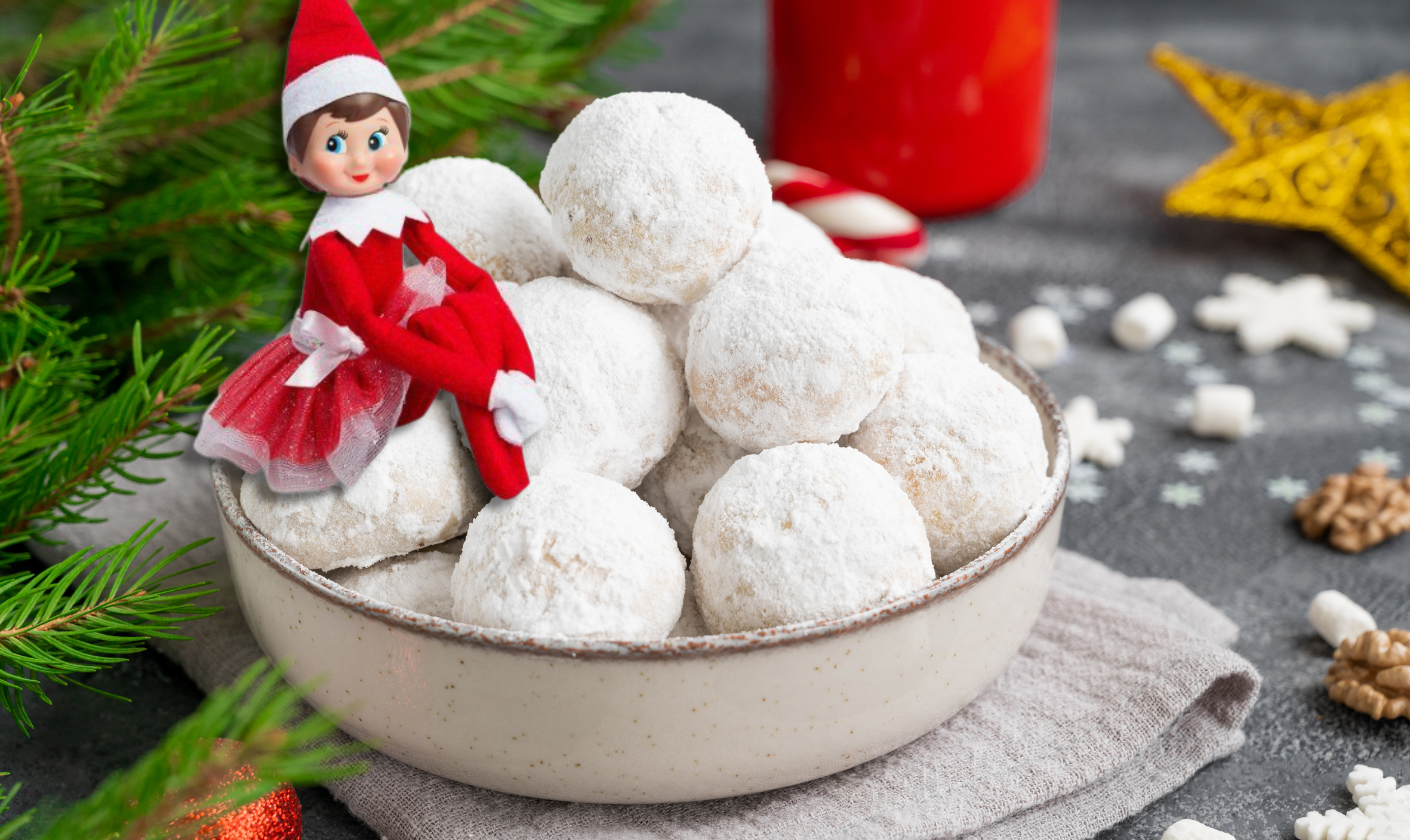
x=654 y=195
x=675 y=320
x=419 y=581
x=802 y=532
x=965 y=445
x=421 y=489
x=613 y=385
x=677 y=485
x=932 y=317
x=790 y=348
x=572 y=555
x=780 y=226
x=489 y=214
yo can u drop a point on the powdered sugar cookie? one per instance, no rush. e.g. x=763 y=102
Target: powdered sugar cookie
x=613 y=386
x=654 y=196
x=780 y=226
x=572 y=555
x=790 y=347
x=965 y=445
x=803 y=532
x=489 y=214
x=677 y=485
x=421 y=489
x=932 y=316
x=419 y=581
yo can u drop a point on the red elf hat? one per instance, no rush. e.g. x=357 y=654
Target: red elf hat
x=331 y=56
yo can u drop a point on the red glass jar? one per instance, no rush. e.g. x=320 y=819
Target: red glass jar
x=939 y=105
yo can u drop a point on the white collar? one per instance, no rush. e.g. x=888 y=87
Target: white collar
x=355 y=218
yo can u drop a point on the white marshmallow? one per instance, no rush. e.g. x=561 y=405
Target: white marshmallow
x=1222 y=411
x=1101 y=441
x=1036 y=334
x=1145 y=321
x=1337 y=617
x=1193 y=830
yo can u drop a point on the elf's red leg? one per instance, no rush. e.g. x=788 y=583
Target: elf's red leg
x=501 y=463
x=444 y=328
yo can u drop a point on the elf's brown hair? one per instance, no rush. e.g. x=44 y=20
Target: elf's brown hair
x=357 y=106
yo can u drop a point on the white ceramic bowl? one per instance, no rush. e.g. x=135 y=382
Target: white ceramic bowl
x=665 y=721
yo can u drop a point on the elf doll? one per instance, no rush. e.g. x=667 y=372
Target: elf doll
x=373 y=343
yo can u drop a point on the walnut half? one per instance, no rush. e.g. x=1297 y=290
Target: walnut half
x=1371 y=673
x=1360 y=510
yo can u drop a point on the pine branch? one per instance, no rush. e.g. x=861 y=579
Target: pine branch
x=454 y=17
x=14 y=225
x=181 y=787
x=87 y=612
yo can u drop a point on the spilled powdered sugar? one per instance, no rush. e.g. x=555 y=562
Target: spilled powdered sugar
x=966 y=446
x=572 y=555
x=790 y=347
x=489 y=214
x=613 y=386
x=654 y=196
x=802 y=532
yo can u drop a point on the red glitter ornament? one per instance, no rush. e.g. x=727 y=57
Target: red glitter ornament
x=276 y=816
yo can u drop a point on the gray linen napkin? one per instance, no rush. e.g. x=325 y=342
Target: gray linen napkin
x=1125 y=688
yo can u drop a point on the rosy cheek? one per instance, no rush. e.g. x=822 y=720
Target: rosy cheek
x=328 y=167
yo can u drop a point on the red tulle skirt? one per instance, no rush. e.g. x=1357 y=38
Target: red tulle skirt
x=312 y=438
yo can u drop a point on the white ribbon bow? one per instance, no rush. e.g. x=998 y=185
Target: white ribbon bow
x=327 y=343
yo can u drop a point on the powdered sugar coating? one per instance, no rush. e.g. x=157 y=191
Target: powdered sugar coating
x=803 y=532
x=489 y=214
x=572 y=555
x=690 y=623
x=677 y=485
x=654 y=196
x=932 y=316
x=421 y=489
x=967 y=448
x=790 y=347
x=675 y=320
x=613 y=385
x=419 y=581
x=780 y=226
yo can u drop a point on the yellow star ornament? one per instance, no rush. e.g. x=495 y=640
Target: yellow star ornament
x=1340 y=165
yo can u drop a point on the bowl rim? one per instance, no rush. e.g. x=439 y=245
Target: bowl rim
x=1039 y=515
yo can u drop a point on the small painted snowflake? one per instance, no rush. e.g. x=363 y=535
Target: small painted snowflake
x=1365 y=357
x=983 y=313
x=1375 y=414
x=1088 y=494
x=1181 y=353
x=1287 y=488
x=947 y=248
x=1382 y=811
x=1093 y=297
x=1256 y=425
x=1198 y=461
x=1054 y=296
x=1397 y=397
x=1182 y=494
x=1381 y=455
x=1372 y=382
x=1185 y=407
x=1204 y=375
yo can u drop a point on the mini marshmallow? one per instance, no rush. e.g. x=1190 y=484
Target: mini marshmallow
x=1145 y=321
x=1222 y=411
x=1337 y=617
x=1193 y=830
x=1101 y=441
x=1037 y=336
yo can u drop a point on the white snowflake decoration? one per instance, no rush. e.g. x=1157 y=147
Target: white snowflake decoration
x=1093 y=297
x=1182 y=353
x=1381 y=455
x=1094 y=438
x=1287 y=489
x=1083 y=485
x=1382 y=811
x=1372 y=382
x=1299 y=311
x=1397 y=397
x=983 y=313
x=1182 y=494
x=1365 y=357
x=1062 y=301
x=1204 y=375
x=1185 y=407
x=1197 y=461
x=1375 y=414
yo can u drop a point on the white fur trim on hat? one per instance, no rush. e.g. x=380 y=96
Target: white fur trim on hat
x=332 y=80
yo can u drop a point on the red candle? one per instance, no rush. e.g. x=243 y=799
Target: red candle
x=939 y=105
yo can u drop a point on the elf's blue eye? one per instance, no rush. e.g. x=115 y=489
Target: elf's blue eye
x=336 y=145
x=376 y=140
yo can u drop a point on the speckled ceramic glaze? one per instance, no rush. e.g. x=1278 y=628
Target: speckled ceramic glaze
x=666 y=721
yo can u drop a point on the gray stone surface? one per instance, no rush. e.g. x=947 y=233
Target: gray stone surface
x=1121 y=135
